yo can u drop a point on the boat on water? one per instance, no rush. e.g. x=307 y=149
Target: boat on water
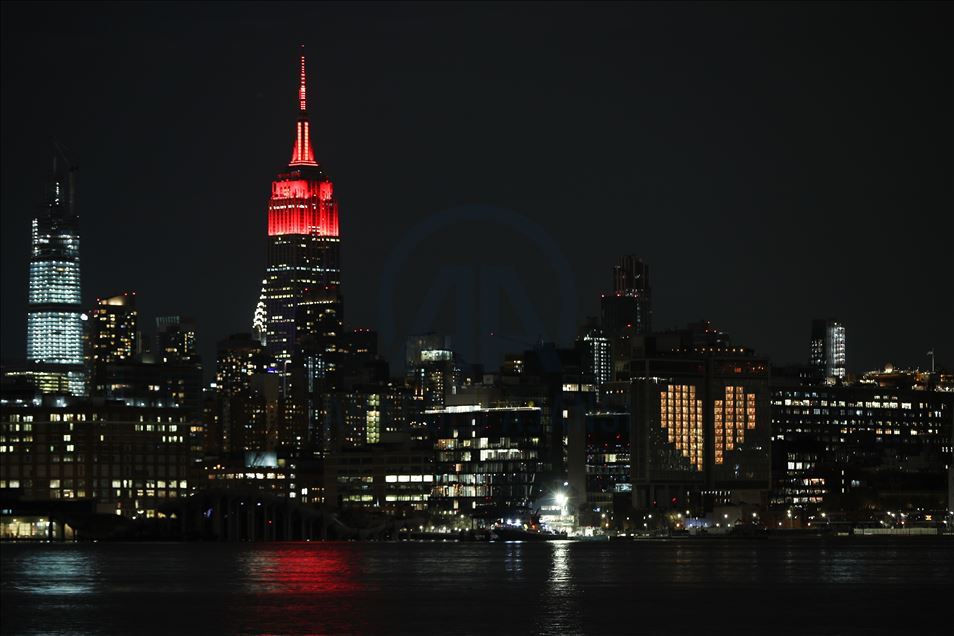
x=505 y=533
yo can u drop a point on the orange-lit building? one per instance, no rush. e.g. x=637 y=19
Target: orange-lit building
x=701 y=428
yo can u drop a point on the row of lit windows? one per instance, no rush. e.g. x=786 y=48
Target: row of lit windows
x=81 y=417
x=868 y=427
x=490 y=468
x=391 y=479
x=480 y=442
x=115 y=483
x=250 y=475
x=459 y=490
x=853 y=405
x=877 y=401
x=397 y=498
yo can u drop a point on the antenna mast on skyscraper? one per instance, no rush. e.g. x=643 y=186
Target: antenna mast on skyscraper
x=72 y=168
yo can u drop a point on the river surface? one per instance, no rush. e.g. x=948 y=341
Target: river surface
x=778 y=586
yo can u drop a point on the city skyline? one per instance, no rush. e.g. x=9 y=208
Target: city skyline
x=216 y=282
x=477 y=318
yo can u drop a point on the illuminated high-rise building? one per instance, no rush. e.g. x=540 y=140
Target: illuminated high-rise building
x=432 y=372
x=113 y=339
x=175 y=339
x=828 y=351
x=115 y=329
x=595 y=349
x=301 y=289
x=55 y=317
x=246 y=396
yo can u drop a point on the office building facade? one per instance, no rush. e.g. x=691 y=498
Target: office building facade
x=701 y=428
x=860 y=447
x=129 y=460
x=595 y=353
x=489 y=461
x=599 y=465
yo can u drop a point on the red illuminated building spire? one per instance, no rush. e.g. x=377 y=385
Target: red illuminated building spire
x=301 y=293
x=303 y=154
x=302 y=200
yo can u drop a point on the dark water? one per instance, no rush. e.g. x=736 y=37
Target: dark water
x=847 y=586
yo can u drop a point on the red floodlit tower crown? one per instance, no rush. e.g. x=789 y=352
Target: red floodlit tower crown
x=302 y=201
x=303 y=154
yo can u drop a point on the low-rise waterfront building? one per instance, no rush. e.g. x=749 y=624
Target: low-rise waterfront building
x=394 y=478
x=489 y=459
x=861 y=446
x=127 y=459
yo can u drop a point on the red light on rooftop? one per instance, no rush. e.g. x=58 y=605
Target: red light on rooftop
x=302 y=101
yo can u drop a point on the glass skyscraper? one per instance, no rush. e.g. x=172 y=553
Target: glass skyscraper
x=828 y=351
x=55 y=318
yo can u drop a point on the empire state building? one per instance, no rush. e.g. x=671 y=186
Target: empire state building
x=301 y=295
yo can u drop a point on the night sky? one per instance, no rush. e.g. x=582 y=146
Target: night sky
x=773 y=163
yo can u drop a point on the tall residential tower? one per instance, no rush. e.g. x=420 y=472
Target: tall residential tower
x=54 y=314
x=301 y=293
x=828 y=351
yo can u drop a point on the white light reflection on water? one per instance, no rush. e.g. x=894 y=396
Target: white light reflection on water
x=63 y=571
x=513 y=563
x=256 y=569
x=561 y=612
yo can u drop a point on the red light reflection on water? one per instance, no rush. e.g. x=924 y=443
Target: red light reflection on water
x=300 y=588
x=303 y=569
